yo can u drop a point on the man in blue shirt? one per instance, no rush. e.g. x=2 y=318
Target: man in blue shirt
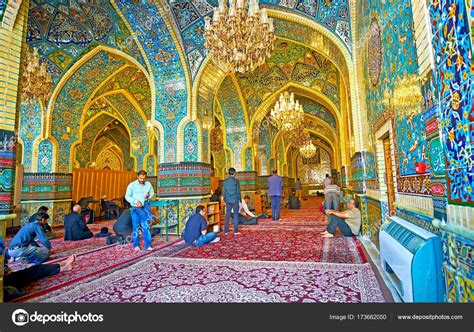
x=139 y=192
x=275 y=191
x=195 y=232
x=46 y=227
x=232 y=199
x=23 y=245
x=13 y=281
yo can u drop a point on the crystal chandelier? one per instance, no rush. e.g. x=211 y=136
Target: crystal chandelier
x=287 y=115
x=308 y=150
x=37 y=83
x=239 y=38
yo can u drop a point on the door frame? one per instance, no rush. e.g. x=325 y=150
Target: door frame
x=384 y=132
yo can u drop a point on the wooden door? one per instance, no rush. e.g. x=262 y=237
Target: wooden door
x=389 y=175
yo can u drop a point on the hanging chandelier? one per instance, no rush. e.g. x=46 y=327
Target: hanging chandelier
x=308 y=150
x=37 y=83
x=287 y=115
x=239 y=38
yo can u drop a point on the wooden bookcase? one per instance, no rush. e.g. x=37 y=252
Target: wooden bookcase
x=259 y=203
x=213 y=216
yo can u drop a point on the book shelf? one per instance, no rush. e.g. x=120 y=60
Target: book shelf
x=213 y=216
x=259 y=203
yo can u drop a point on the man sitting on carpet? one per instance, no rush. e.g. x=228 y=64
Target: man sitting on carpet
x=245 y=216
x=293 y=202
x=195 y=231
x=75 y=227
x=347 y=221
x=24 y=246
x=13 y=281
x=84 y=204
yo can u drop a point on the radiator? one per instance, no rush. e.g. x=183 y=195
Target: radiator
x=411 y=256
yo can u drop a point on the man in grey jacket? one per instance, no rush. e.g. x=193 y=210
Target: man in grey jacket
x=232 y=199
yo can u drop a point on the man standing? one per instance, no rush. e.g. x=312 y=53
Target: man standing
x=327 y=181
x=195 y=232
x=332 y=193
x=23 y=245
x=75 y=227
x=347 y=221
x=299 y=189
x=139 y=192
x=275 y=191
x=232 y=199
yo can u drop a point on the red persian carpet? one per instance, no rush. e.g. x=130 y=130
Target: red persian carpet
x=280 y=244
x=62 y=249
x=162 y=279
x=92 y=263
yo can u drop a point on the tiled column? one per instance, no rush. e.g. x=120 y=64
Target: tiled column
x=188 y=182
x=53 y=190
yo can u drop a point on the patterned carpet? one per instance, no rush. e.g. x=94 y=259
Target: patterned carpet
x=160 y=279
x=280 y=244
x=61 y=249
x=268 y=262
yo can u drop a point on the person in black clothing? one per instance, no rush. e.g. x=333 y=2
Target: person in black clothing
x=75 y=227
x=84 y=204
x=293 y=202
x=123 y=229
x=14 y=281
x=43 y=209
x=216 y=196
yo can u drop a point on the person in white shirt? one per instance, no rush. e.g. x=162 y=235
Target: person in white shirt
x=332 y=193
x=327 y=181
x=246 y=217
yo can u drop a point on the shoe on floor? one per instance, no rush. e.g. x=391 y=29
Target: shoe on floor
x=238 y=233
x=217 y=239
x=150 y=249
x=136 y=249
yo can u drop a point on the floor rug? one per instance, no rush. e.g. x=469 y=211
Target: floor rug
x=91 y=263
x=280 y=244
x=161 y=279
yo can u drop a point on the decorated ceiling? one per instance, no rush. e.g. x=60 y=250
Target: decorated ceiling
x=134 y=81
x=189 y=15
x=317 y=110
x=65 y=30
x=290 y=63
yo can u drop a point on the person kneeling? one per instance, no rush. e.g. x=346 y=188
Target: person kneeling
x=13 y=282
x=75 y=227
x=24 y=246
x=347 y=221
x=195 y=232
x=293 y=202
